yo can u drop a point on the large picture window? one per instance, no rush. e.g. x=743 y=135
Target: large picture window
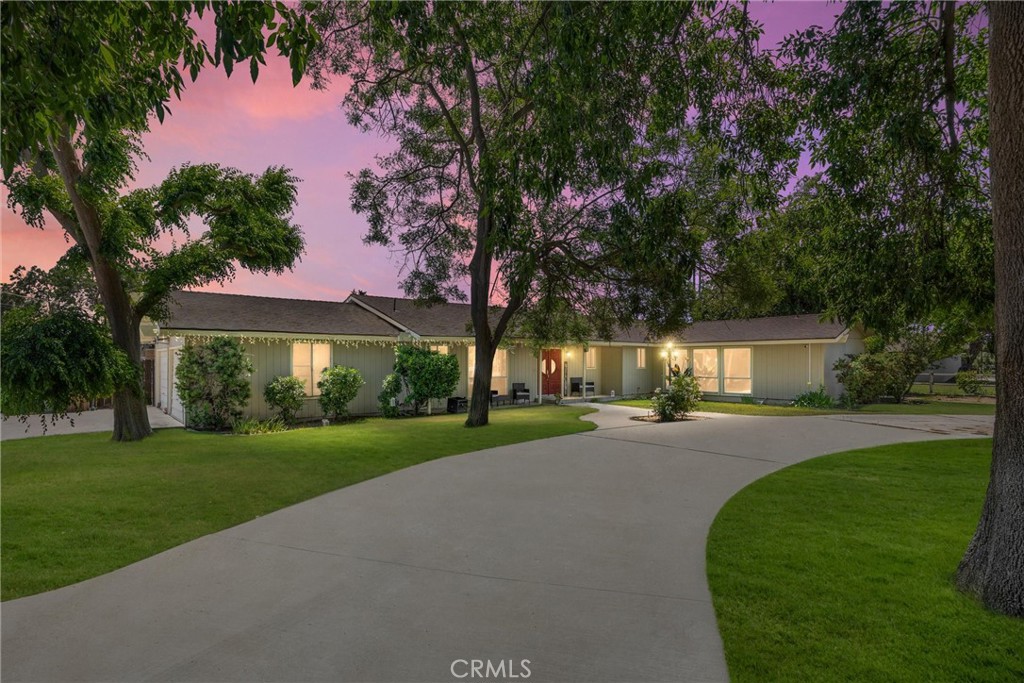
x=308 y=361
x=705 y=369
x=737 y=371
x=499 y=370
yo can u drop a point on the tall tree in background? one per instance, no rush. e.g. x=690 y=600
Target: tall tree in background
x=555 y=153
x=80 y=82
x=923 y=208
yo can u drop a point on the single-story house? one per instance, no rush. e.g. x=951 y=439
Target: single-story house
x=765 y=358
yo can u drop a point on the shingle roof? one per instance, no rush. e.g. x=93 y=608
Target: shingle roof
x=442 y=320
x=210 y=311
x=241 y=313
x=781 y=328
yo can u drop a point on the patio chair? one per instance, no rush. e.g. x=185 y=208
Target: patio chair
x=576 y=385
x=498 y=399
x=520 y=393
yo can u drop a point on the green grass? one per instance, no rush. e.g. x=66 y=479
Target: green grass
x=947 y=389
x=920 y=406
x=78 y=506
x=841 y=569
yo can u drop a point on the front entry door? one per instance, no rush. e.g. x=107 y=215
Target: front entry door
x=551 y=371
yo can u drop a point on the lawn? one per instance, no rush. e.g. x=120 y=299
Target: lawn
x=74 y=507
x=919 y=406
x=841 y=567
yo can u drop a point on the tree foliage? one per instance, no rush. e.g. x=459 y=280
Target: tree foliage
x=584 y=152
x=895 y=105
x=51 y=362
x=338 y=387
x=213 y=383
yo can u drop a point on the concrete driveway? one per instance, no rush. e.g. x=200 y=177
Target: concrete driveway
x=582 y=554
x=101 y=420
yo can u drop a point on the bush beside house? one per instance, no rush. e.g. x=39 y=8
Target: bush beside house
x=338 y=387
x=286 y=395
x=213 y=383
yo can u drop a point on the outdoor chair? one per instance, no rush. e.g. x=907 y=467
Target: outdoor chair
x=498 y=399
x=576 y=386
x=457 y=404
x=520 y=392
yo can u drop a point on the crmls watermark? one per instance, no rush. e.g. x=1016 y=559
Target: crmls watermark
x=486 y=668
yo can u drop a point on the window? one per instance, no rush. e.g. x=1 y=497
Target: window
x=499 y=370
x=641 y=359
x=440 y=348
x=308 y=361
x=590 y=359
x=737 y=371
x=705 y=369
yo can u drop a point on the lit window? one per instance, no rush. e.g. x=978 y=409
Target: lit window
x=439 y=348
x=499 y=370
x=308 y=361
x=737 y=371
x=641 y=359
x=705 y=369
x=590 y=358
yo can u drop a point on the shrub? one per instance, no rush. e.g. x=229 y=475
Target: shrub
x=680 y=398
x=390 y=390
x=985 y=363
x=426 y=374
x=251 y=425
x=213 y=383
x=286 y=395
x=338 y=387
x=967 y=382
x=869 y=376
x=815 y=399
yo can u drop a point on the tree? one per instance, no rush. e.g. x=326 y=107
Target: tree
x=213 y=383
x=919 y=116
x=993 y=566
x=895 y=106
x=80 y=82
x=582 y=152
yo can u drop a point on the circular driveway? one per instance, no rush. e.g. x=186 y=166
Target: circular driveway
x=577 y=558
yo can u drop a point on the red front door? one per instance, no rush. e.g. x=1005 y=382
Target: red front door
x=551 y=371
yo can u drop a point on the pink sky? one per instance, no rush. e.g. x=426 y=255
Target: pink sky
x=235 y=123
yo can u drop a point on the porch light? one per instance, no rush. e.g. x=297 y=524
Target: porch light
x=664 y=354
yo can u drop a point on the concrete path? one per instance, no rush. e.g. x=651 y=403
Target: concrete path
x=90 y=421
x=582 y=554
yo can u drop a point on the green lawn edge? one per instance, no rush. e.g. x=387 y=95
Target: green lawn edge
x=74 y=507
x=925 y=407
x=841 y=568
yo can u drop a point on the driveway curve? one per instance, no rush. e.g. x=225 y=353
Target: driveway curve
x=583 y=555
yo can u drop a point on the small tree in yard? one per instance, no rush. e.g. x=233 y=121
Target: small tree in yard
x=678 y=400
x=426 y=374
x=285 y=394
x=338 y=387
x=213 y=383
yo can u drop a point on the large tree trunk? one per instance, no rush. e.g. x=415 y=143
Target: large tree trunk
x=131 y=421
x=479 y=301
x=993 y=566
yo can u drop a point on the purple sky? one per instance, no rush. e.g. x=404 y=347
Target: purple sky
x=250 y=127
